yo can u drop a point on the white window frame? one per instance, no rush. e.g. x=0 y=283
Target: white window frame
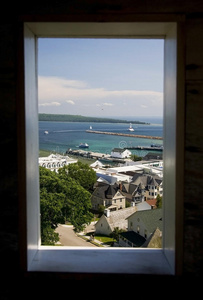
x=34 y=257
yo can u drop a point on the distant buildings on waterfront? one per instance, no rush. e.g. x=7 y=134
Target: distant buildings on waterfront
x=55 y=161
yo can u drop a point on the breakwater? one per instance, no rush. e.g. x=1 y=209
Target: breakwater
x=125 y=134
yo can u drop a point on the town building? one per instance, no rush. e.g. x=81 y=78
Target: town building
x=148 y=186
x=146 y=224
x=111 y=177
x=55 y=161
x=109 y=196
x=120 y=153
x=112 y=219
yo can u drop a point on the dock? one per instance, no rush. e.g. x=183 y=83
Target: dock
x=126 y=134
x=145 y=148
x=95 y=155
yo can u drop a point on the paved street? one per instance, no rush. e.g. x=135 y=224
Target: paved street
x=69 y=238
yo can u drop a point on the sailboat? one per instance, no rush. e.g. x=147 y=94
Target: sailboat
x=130 y=128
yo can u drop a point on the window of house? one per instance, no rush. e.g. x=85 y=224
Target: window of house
x=38 y=258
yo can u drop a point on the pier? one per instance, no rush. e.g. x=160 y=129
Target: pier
x=145 y=148
x=95 y=155
x=126 y=134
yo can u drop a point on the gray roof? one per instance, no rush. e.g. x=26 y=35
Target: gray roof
x=145 y=180
x=118 y=216
x=107 y=191
x=152 y=218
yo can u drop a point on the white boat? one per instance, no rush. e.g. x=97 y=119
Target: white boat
x=46 y=132
x=83 y=145
x=130 y=128
x=90 y=127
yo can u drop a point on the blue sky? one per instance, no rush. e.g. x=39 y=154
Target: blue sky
x=101 y=77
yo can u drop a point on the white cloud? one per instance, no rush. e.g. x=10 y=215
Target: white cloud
x=54 y=91
x=143 y=106
x=107 y=104
x=50 y=104
x=70 y=102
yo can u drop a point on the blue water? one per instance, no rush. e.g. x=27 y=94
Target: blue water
x=65 y=135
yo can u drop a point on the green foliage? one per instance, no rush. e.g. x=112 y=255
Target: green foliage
x=82 y=173
x=49 y=236
x=115 y=233
x=63 y=197
x=78 y=205
x=101 y=209
x=159 y=201
x=135 y=157
x=51 y=204
x=127 y=204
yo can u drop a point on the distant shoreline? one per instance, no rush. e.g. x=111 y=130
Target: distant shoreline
x=79 y=118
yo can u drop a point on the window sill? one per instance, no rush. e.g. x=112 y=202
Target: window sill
x=108 y=260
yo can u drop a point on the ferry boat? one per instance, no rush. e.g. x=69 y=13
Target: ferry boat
x=83 y=145
x=130 y=128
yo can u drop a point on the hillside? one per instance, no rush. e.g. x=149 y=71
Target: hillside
x=78 y=118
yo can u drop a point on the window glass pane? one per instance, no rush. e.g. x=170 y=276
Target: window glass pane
x=100 y=104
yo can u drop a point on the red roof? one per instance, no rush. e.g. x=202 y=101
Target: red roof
x=151 y=202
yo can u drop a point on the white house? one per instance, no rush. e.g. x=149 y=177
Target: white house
x=112 y=219
x=120 y=153
x=142 y=225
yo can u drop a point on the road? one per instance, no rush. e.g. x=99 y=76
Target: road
x=67 y=237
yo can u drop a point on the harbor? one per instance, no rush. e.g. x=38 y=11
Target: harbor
x=108 y=157
x=125 y=134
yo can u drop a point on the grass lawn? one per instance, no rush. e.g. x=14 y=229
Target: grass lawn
x=104 y=239
x=44 y=153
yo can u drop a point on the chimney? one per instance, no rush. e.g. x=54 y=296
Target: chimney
x=107 y=212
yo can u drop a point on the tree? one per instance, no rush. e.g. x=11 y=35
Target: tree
x=101 y=209
x=82 y=173
x=135 y=157
x=77 y=204
x=115 y=233
x=159 y=201
x=51 y=204
x=62 y=198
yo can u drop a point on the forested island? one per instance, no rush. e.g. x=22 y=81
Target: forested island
x=79 y=118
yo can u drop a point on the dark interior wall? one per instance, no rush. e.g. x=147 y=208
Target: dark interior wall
x=193 y=204
x=101 y=10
